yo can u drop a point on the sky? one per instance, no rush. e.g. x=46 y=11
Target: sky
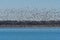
x=30 y=3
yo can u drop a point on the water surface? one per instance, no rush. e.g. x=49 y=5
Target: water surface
x=29 y=33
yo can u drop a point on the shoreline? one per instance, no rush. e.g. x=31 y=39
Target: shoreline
x=29 y=24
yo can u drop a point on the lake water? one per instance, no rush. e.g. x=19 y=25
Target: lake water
x=29 y=33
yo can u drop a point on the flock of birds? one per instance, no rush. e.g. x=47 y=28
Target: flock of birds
x=21 y=14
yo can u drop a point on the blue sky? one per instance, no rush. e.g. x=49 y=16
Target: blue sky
x=30 y=3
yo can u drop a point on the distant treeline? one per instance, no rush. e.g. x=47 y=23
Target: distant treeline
x=29 y=22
